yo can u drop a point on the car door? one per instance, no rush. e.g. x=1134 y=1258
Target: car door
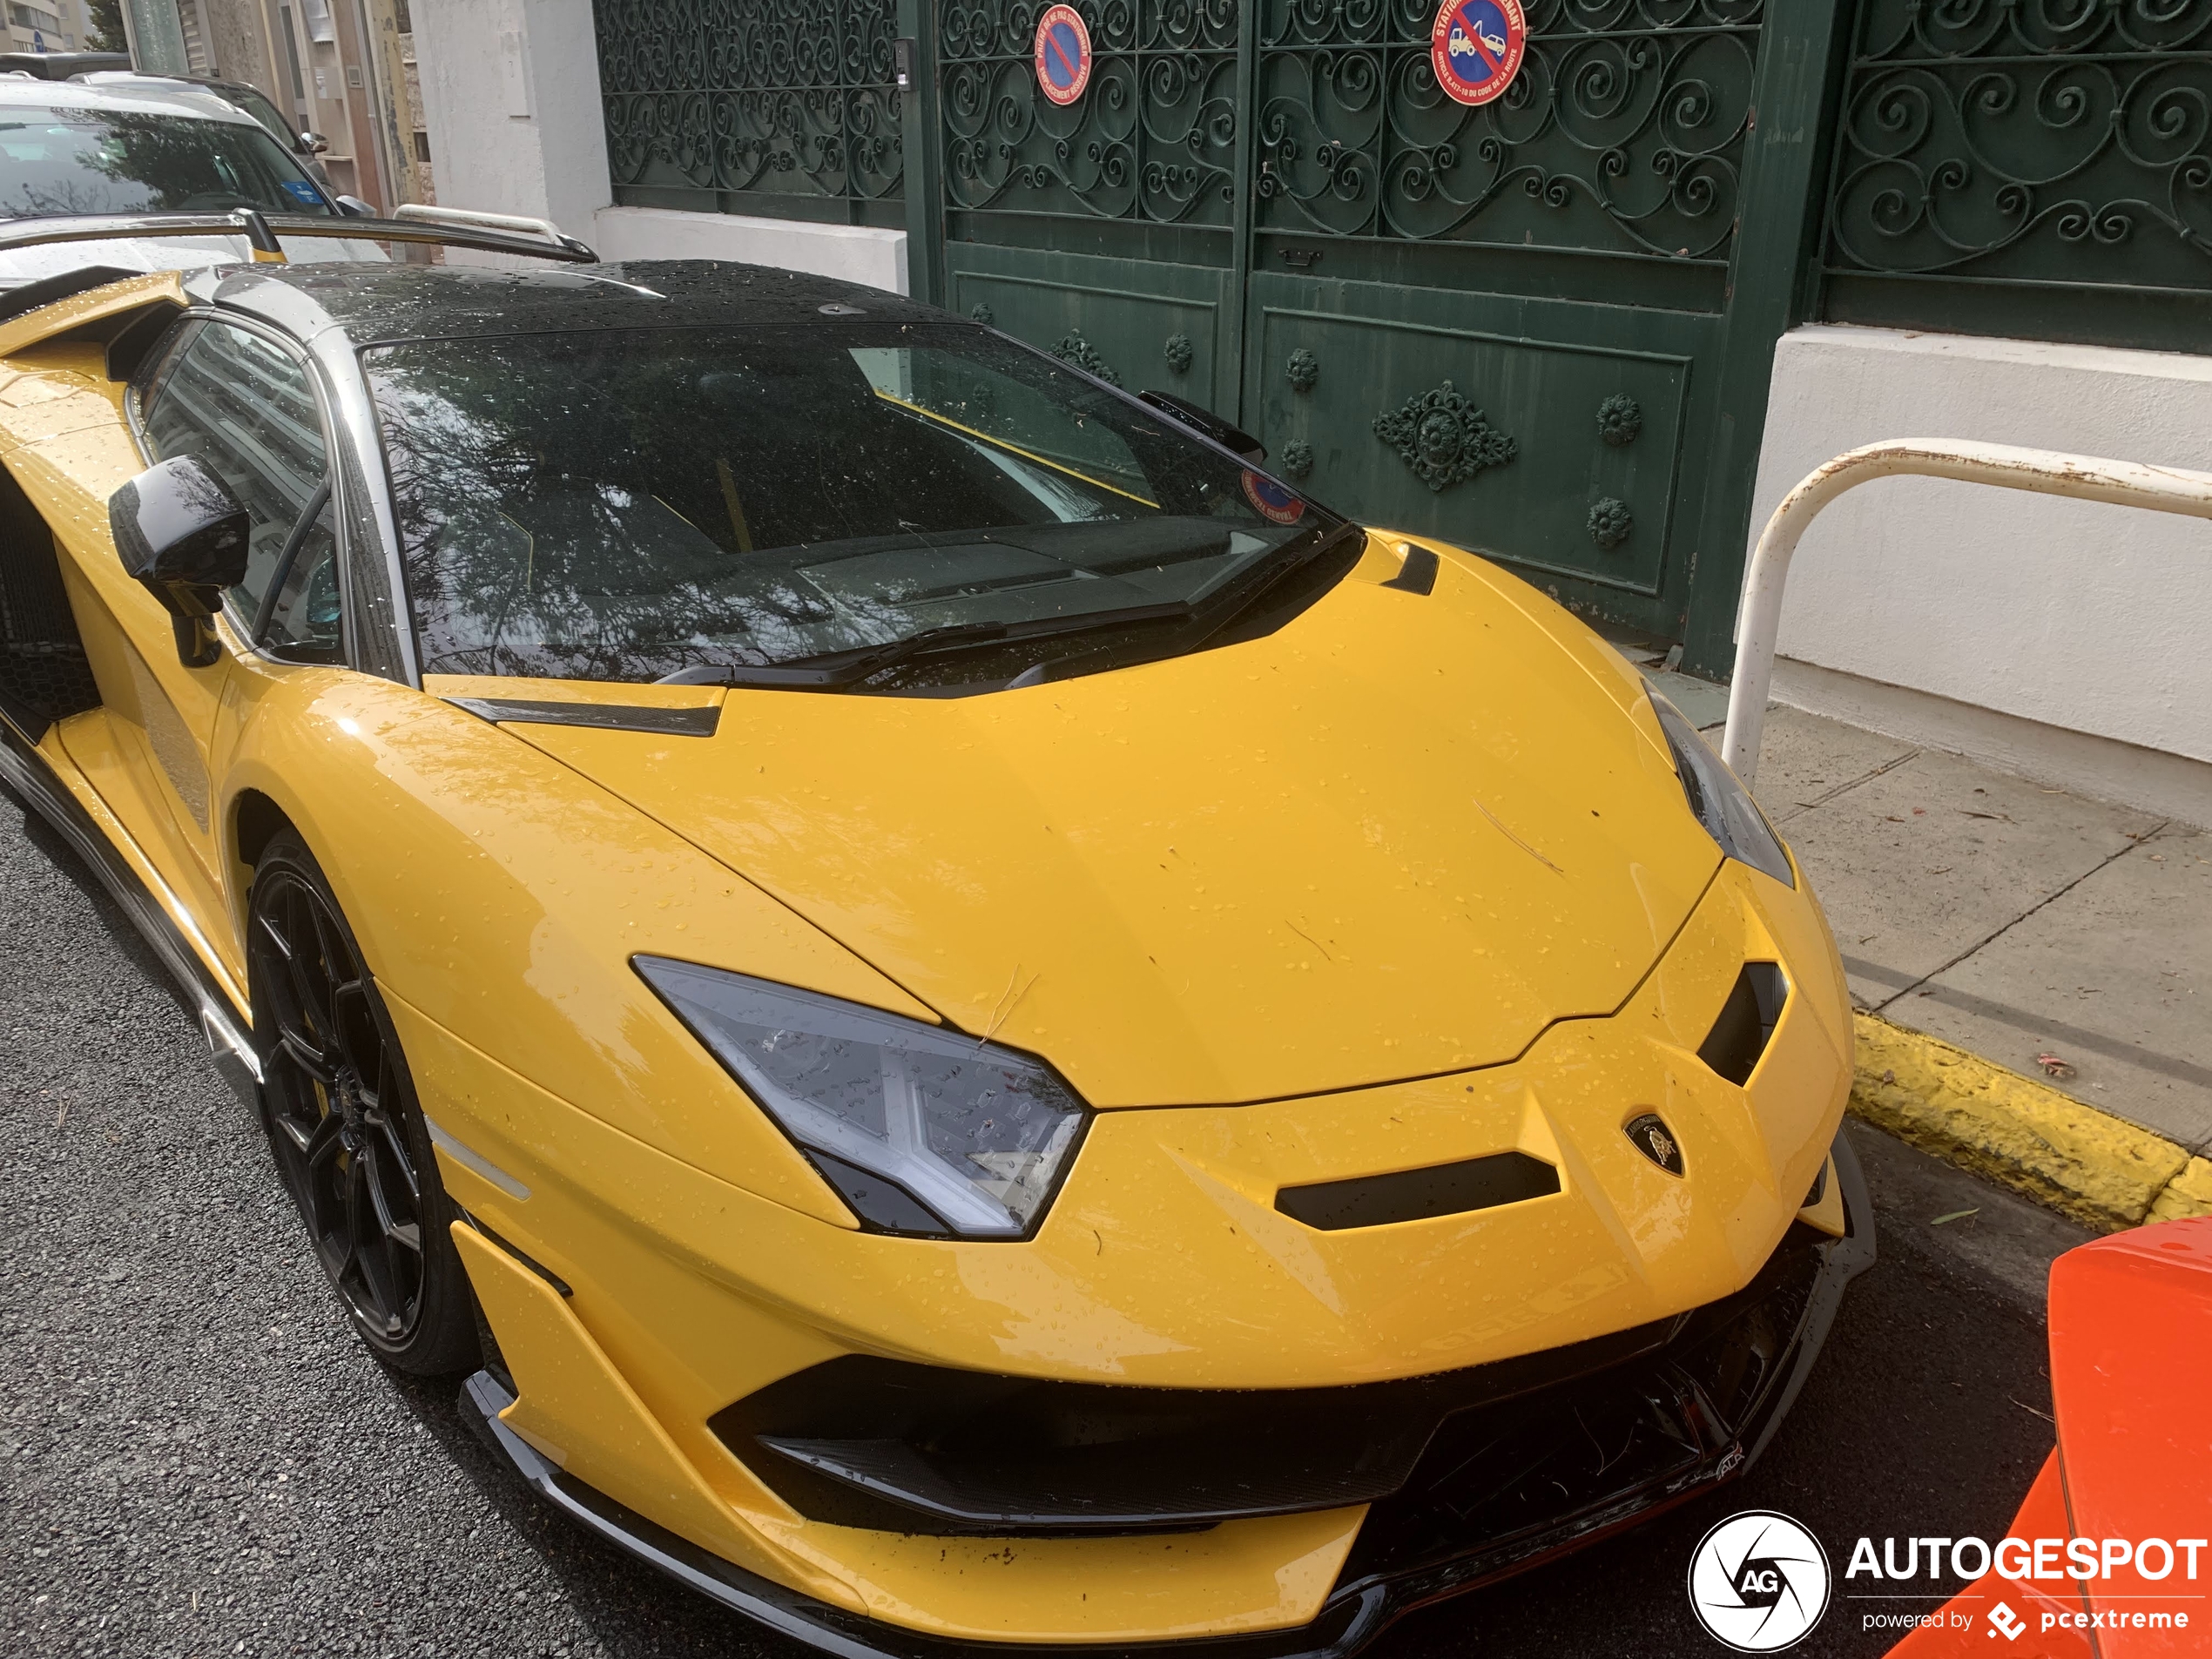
x=242 y=401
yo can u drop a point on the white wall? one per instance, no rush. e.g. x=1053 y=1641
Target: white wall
x=2074 y=615
x=852 y=252
x=511 y=95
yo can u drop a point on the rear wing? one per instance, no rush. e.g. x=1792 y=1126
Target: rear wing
x=437 y=227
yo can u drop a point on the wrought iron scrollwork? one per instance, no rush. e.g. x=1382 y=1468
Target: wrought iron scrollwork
x=1075 y=349
x=1624 y=130
x=2039 y=140
x=770 y=97
x=1443 y=437
x=1153 y=138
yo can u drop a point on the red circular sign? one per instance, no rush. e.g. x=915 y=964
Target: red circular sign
x=1276 y=504
x=1475 y=48
x=1063 y=54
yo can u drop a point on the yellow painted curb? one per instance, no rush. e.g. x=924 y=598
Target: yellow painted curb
x=2188 y=1194
x=2022 y=1134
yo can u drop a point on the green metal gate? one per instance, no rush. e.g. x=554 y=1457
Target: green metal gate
x=1541 y=328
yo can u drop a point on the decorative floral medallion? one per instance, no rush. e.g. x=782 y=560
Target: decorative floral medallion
x=1304 y=369
x=1444 y=438
x=1297 y=458
x=1180 y=352
x=1075 y=349
x=1619 y=419
x=1610 y=523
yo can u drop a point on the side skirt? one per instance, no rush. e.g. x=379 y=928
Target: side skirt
x=30 y=775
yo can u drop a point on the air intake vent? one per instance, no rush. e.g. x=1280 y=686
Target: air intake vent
x=1419 y=1195
x=1732 y=1048
x=44 y=675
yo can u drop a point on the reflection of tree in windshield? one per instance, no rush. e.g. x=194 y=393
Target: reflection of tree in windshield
x=543 y=563
x=77 y=161
x=621 y=505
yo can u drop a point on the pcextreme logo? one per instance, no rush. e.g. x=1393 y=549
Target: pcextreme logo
x=1758 y=1582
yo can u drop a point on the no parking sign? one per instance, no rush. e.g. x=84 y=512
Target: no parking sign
x=1475 y=48
x=1063 y=54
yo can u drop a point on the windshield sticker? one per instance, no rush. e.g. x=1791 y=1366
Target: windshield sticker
x=1276 y=504
x=1063 y=54
x=1475 y=48
x=302 y=191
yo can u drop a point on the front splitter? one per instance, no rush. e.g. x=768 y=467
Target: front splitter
x=1426 y=1565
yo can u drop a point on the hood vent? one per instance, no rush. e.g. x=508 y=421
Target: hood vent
x=665 y=723
x=1732 y=1048
x=1419 y=1195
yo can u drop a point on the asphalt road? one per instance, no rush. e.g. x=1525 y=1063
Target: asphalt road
x=197 y=1459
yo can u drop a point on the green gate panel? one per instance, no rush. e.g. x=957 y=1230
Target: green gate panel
x=1541 y=327
x=1563 y=439
x=1140 y=323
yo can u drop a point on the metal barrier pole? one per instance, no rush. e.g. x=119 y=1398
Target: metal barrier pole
x=2047 y=472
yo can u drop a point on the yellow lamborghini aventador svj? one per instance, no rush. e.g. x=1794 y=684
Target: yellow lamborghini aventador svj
x=973 y=1022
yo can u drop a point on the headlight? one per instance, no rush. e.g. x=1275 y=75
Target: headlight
x=1729 y=813
x=969 y=1137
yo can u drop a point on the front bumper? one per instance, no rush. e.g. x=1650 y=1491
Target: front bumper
x=1498 y=1488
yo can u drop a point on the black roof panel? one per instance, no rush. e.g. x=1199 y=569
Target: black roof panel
x=400 y=301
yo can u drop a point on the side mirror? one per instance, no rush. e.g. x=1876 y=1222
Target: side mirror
x=313 y=143
x=1206 y=423
x=354 y=207
x=180 y=532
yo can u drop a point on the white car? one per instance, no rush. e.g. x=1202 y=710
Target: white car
x=69 y=151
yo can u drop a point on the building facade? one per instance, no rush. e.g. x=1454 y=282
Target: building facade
x=340 y=69
x=1592 y=319
x=47 y=26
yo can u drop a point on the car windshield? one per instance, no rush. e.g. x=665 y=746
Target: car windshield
x=256 y=104
x=634 y=505
x=59 y=163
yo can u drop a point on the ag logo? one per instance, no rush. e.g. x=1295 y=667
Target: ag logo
x=1758 y=1582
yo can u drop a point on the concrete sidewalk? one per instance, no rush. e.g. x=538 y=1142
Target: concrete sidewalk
x=2063 y=938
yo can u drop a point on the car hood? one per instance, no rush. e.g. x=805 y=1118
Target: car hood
x=1396 y=837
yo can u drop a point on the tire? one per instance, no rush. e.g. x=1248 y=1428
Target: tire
x=349 y=1136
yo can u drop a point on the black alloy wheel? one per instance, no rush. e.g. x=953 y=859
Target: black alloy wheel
x=349 y=1139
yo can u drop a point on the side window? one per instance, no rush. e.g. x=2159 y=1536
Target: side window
x=244 y=407
x=303 y=622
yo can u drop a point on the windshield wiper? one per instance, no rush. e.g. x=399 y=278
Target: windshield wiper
x=1212 y=615
x=828 y=670
x=834 y=670
x=837 y=670
x=1246 y=587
